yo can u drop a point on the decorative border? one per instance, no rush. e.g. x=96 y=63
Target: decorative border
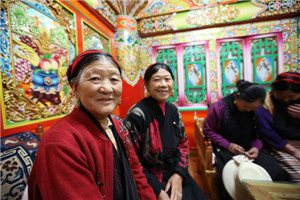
x=103 y=11
x=84 y=22
x=227 y=14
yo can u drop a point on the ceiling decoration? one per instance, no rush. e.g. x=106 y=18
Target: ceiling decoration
x=161 y=7
x=128 y=7
x=155 y=17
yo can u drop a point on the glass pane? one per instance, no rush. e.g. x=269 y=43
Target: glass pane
x=264 y=56
x=231 y=60
x=169 y=57
x=194 y=62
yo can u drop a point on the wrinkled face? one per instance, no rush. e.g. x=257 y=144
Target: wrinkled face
x=244 y=106
x=99 y=88
x=285 y=97
x=160 y=85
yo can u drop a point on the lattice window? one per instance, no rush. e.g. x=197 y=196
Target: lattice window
x=194 y=60
x=189 y=65
x=254 y=58
x=231 y=60
x=169 y=57
x=264 y=54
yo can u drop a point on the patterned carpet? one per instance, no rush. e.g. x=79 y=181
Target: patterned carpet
x=17 y=155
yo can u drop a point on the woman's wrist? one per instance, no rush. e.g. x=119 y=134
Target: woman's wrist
x=290 y=149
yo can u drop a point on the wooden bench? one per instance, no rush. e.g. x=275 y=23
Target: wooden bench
x=208 y=171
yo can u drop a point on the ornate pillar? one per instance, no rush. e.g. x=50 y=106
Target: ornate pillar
x=127 y=49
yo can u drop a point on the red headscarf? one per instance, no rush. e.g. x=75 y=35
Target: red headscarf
x=74 y=66
x=290 y=77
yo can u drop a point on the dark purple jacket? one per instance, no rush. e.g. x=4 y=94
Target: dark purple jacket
x=212 y=127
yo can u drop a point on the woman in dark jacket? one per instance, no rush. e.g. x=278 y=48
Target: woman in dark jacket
x=159 y=138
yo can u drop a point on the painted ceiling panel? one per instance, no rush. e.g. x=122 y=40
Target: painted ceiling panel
x=162 y=7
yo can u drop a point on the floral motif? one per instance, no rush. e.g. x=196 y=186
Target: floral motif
x=27 y=40
x=25 y=137
x=10 y=166
x=214 y=15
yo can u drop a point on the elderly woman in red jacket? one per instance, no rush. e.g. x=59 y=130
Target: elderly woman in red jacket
x=88 y=154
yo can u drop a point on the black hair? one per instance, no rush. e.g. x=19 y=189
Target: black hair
x=287 y=81
x=86 y=58
x=152 y=69
x=250 y=92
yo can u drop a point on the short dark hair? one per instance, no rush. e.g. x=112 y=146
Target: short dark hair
x=152 y=69
x=287 y=81
x=250 y=92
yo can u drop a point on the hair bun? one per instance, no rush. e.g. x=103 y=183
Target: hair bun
x=242 y=85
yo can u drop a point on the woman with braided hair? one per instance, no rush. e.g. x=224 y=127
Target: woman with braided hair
x=279 y=122
x=88 y=154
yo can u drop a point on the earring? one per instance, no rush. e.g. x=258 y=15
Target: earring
x=234 y=101
x=146 y=93
x=172 y=93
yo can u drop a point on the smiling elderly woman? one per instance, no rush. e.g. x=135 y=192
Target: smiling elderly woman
x=88 y=153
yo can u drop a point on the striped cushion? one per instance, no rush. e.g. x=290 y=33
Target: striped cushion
x=288 y=162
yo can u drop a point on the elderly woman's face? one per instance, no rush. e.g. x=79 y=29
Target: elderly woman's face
x=99 y=88
x=160 y=85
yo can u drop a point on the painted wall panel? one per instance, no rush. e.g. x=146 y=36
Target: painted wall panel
x=41 y=40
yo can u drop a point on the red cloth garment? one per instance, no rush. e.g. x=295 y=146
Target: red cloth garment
x=163 y=107
x=75 y=161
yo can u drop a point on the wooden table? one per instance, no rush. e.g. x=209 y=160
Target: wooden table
x=265 y=190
